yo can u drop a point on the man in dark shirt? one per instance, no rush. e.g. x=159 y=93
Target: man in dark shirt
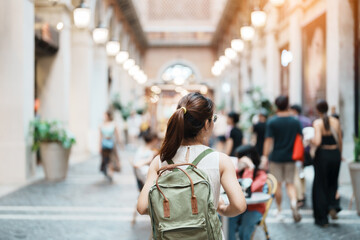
x=281 y=131
x=235 y=137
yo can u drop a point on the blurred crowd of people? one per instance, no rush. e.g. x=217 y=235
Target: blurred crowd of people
x=270 y=149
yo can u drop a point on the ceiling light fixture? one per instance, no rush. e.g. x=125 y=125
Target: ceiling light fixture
x=247 y=33
x=100 y=34
x=82 y=15
x=238 y=45
x=258 y=18
x=112 y=48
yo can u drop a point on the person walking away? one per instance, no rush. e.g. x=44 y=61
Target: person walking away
x=143 y=157
x=281 y=131
x=259 y=131
x=191 y=125
x=299 y=179
x=245 y=223
x=108 y=136
x=328 y=140
x=235 y=138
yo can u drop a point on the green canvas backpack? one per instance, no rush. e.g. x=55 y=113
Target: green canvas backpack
x=181 y=204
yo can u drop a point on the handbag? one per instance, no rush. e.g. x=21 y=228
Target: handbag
x=298 y=149
x=107 y=143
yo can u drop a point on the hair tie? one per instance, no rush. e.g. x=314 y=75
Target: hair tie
x=184 y=109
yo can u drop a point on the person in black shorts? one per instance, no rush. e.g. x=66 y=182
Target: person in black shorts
x=235 y=138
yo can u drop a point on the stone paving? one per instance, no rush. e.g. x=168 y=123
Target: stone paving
x=87 y=206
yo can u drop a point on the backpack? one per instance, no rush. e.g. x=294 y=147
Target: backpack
x=181 y=204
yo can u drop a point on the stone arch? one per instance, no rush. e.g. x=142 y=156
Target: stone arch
x=170 y=63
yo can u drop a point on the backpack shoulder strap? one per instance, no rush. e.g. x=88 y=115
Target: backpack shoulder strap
x=170 y=162
x=201 y=156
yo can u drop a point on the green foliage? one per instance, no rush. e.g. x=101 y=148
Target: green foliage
x=126 y=111
x=357 y=146
x=50 y=131
x=221 y=106
x=257 y=101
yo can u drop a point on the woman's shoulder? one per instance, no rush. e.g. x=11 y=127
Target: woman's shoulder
x=224 y=161
x=318 y=122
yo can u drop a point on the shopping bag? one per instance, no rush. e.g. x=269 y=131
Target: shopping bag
x=298 y=149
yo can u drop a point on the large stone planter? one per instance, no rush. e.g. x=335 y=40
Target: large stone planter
x=355 y=179
x=55 y=160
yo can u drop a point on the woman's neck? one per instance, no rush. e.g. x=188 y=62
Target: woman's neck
x=191 y=142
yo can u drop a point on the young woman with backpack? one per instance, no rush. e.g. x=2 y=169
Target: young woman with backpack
x=188 y=128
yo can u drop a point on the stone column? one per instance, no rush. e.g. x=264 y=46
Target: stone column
x=340 y=67
x=80 y=88
x=16 y=90
x=295 y=67
x=245 y=75
x=54 y=72
x=99 y=100
x=272 y=86
x=272 y=67
x=258 y=76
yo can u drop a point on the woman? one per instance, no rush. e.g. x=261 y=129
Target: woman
x=143 y=157
x=188 y=128
x=327 y=160
x=108 y=135
x=249 y=161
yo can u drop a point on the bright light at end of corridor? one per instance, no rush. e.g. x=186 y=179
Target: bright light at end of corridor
x=112 y=48
x=237 y=45
x=286 y=58
x=179 y=80
x=258 y=18
x=226 y=87
x=82 y=15
x=247 y=33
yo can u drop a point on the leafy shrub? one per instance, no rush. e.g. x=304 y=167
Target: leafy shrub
x=50 y=131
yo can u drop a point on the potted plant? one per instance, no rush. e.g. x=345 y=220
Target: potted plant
x=355 y=172
x=54 y=142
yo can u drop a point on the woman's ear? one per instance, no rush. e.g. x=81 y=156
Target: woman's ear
x=207 y=125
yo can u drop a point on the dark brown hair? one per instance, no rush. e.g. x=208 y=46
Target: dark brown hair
x=323 y=108
x=282 y=103
x=109 y=115
x=187 y=125
x=150 y=136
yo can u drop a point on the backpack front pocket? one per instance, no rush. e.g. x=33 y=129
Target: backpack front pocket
x=190 y=230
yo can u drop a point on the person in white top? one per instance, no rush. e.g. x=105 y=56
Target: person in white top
x=188 y=128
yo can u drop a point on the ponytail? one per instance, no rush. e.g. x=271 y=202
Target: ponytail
x=174 y=136
x=323 y=108
x=326 y=122
x=187 y=121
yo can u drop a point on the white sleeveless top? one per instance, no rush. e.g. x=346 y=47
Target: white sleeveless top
x=209 y=164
